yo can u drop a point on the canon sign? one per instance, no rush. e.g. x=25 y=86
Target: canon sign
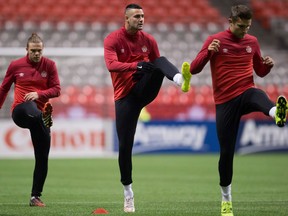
x=68 y=138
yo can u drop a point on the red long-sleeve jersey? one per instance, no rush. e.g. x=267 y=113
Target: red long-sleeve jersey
x=27 y=76
x=231 y=67
x=122 y=52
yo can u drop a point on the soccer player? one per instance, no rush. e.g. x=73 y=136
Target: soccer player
x=35 y=80
x=137 y=71
x=233 y=54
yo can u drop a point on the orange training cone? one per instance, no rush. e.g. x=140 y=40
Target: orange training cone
x=100 y=211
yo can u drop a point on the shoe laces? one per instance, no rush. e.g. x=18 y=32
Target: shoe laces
x=36 y=198
x=129 y=202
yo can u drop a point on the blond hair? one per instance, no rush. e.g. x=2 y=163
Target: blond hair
x=34 y=38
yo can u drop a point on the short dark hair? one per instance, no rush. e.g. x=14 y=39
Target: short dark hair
x=34 y=38
x=241 y=11
x=132 y=6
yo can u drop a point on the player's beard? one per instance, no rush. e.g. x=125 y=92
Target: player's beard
x=36 y=59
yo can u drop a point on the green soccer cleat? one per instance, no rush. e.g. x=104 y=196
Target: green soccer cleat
x=47 y=115
x=226 y=209
x=185 y=70
x=281 y=111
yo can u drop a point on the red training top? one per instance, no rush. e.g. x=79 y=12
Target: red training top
x=231 y=67
x=122 y=52
x=41 y=77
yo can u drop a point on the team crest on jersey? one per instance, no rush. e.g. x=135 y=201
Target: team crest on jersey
x=44 y=74
x=21 y=74
x=144 y=49
x=122 y=50
x=248 y=49
x=225 y=50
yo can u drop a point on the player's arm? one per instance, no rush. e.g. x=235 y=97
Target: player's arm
x=155 y=53
x=261 y=65
x=209 y=47
x=6 y=84
x=111 y=58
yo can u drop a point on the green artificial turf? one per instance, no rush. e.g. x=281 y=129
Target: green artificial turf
x=163 y=185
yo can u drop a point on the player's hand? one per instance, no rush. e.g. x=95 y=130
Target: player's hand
x=146 y=67
x=31 y=96
x=214 y=45
x=267 y=60
x=142 y=68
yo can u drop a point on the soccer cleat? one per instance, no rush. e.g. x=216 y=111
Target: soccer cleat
x=185 y=70
x=129 y=204
x=281 y=111
x=226 y=209
x=36 y=201
x=144 y=115
x=47 y=115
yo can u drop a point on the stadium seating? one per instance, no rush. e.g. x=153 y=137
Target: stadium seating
x=268 y=9
x=180 y=32
x=96 y=10
x=273 y=16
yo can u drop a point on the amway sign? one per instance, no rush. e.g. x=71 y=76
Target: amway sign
x=261 y=137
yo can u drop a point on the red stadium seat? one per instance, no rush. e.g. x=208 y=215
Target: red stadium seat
x=272 y=91
x=264 y=11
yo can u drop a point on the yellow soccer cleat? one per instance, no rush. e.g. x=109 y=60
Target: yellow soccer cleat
x=281 y=111
x=226 y=209
x=144 y=115
x=185 y=70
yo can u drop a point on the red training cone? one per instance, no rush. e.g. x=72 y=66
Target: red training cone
x=100 y=211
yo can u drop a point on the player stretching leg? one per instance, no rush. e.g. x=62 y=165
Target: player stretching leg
x=233 y=88
x=137 y=71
